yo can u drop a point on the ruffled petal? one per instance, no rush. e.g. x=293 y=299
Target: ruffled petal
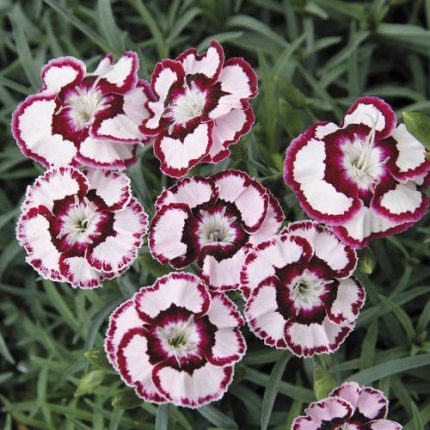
x=223 y=275
x=181 y=289
x=277 y=252
x=206 y=384
x=229 y=346
x=62 y=71
x=113 y=188
x=349 y=300
x=319 y=415
x=366 y=226
x=385 y=425
x=55 y=184
x=263 y=316
x=249 y=196
x=228 y=129
x=32 y=128
x=208 y=64
x=342 y=259
x=374 y=113
x=119 y=251
x=399 y=202
x=80 y=273
x=179 y=154
x=305 y=169
x=124 y=125
x=306 y=340
x=33 y=234
x=121 y=76
x=122 y=319
x=167 y=73
x=410 y=160
x=135 y=367
x=189 y=191
x=106 y=154
x=165 y=233
x=239 y=81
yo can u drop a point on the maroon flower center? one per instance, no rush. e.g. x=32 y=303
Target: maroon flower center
x=304 y=294
x=78 y=224
x=216 y=228
x=180 y=338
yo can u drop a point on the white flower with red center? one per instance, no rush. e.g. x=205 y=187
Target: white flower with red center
x=201 y=108
x=365 y=178
x=81 y=229
x=176 y=342
x=299 y=289
x=349 y=407
x=81 y=118
x=213 y=221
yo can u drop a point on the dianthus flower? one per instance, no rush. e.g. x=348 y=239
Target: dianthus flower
x=81 y=229
x=299 y=289
x=176 y=342
x=201 y=108
x=365 y=177
x=213 y=221
x=81 y=118
x=349 y=407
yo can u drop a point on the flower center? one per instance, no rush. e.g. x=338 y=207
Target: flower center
x=180 y=339
x=307 y=290
x=363 y=161
x=216 y=228
x=84 y=103
x=80 y=222
x=188 y=105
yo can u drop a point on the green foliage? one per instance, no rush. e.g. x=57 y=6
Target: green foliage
x=313 y=57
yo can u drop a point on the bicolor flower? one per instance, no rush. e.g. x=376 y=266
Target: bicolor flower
x=176 y=342
x=81 y=118
x=365 y=177
x=299 y=290
x=349 y=407
x=213 y=221
x=201 y=108
x=81 y=229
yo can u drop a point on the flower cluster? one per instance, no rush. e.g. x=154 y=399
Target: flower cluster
x=177 y=341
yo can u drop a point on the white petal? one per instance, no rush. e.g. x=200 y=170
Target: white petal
x=263 y=317
x=122 y=319
x=179 y=155
x=348 y=302
x=180 y=289
x=308 y=171
x=165 y=236
x=55 y=184
x=208 y=64
x=224 y=274
x=32 y=127
x=60 y=72
x=33 y=233
x=403 y=198
x=204 y=385
x=118 y=252
x=112 y=187
x=80 y=274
